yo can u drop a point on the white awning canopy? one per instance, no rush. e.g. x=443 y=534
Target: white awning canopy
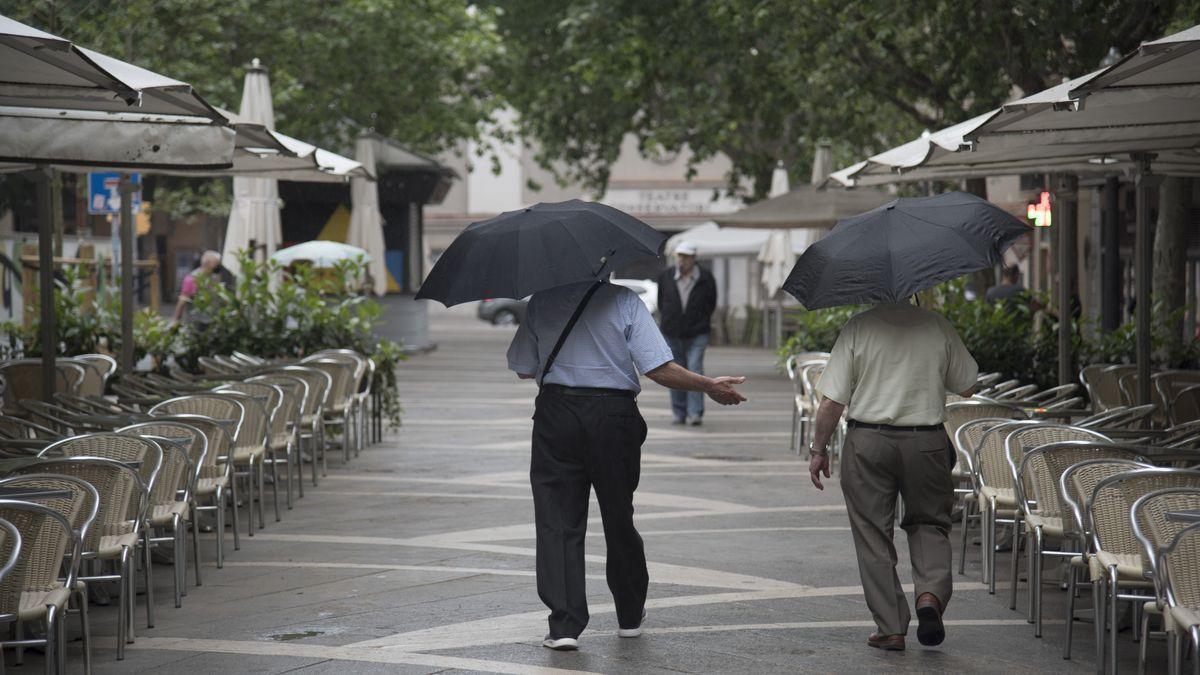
x=1148 y=101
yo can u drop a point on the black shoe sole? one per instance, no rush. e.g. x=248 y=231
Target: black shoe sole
x=930 y=631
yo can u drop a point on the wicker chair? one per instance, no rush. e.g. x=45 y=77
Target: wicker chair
x=21 y=428
x=105 y=365
x=210 y=365
x=965 y=440
x=963 y=473
x=77 y=501
x=339 y=403
x=1054 y=395
x=1155 y=531
x=214 y=476
x=23 y=379
x=1181 y=569
x=1117 y=560
x=1035 y=478
x=285 y=425
x=997 y=493
x=172 y=505
x=33 y=589
x=231 y=414
x=364 y=375
x=319 y=384
x=1049 y=512
x=263 y=403
x=802 y=414
x=144 y=459
x=1185 y=406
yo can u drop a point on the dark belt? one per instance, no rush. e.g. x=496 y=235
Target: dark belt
x=855 y=424
x=587 y=391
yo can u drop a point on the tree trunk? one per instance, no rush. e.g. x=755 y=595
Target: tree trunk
x=1170 y=248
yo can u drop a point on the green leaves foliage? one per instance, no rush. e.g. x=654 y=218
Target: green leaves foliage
x=413 y=71
x=1009 y=338
x=272 y=314
x=763 y=81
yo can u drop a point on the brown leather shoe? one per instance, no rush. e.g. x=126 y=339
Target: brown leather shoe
x=888 y=643
x=930 y=631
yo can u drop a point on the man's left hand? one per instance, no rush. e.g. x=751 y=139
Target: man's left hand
x=818 y=464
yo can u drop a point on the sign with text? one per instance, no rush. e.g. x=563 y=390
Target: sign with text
x=670 y=201
x=104 y=194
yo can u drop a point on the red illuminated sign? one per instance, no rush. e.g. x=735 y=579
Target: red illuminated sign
x=1039 y=212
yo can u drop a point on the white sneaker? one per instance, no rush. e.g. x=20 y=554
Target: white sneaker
x=563 y=644
x=636 y=631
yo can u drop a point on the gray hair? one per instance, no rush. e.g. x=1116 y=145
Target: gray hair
x=210 y=255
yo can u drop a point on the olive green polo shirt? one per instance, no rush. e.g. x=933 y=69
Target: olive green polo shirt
x=894 y=364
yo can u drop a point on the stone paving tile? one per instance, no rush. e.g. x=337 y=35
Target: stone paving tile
x=425 y=543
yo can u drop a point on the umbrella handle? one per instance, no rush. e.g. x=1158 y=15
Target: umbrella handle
x=603 y=261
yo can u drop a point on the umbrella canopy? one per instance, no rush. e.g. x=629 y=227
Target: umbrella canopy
x=804 y=206
x=1145 y=102
x=45 y=71
x=320 y=253
x=777 y=257
x=711 y=241
x=366 y=222
x=519 y=253
x=61 y=103
x=254 y=216
x=890 y=253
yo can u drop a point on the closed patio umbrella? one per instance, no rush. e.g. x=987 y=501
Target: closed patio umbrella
x=366 y=222
x=254 y=215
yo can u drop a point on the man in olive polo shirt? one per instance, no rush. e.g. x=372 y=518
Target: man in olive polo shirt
x=890 y=370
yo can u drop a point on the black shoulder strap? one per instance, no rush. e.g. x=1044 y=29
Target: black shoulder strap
x=562 y=338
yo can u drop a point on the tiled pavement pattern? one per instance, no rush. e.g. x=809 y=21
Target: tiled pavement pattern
x=418 y=556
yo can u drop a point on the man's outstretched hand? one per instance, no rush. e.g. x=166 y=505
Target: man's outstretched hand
x=721 y=390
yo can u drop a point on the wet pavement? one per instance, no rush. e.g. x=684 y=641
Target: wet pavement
x=418 y=555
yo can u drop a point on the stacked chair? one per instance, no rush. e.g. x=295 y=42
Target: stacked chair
x=114 y=470
x=1085 y=475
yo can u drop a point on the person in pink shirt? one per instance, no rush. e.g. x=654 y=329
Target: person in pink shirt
x=209 y=262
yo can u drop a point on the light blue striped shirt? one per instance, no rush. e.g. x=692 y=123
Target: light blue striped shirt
x=615 y=339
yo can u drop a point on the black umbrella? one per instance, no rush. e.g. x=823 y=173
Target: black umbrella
x=889 y=253
x=522 y=252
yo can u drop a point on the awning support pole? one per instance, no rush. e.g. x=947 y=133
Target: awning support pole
x=1065 y=187
x=48 y=329
x=1143 y=264
x=128 y=253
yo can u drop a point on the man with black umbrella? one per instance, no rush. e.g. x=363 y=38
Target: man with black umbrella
x=890 y=371
x=891 y=368
x=588 y=433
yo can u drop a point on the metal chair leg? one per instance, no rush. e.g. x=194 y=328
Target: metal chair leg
x=1112 y=616
x=1072 y=575
x=85 y=630
x=274 y=481
x=1016 y=563
x=148 y=577
x=51 y=639
x=1039 y=543
x=195 y=545
x=966 y=522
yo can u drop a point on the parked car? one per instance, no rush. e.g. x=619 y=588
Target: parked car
x=502 y=311
x=646 y=290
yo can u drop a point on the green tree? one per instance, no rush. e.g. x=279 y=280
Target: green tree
x=761 y=81
x=413 y=71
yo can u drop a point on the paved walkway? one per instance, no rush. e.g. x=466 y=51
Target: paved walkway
x=418 y=556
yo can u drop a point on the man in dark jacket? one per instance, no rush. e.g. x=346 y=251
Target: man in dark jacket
x=687 y=296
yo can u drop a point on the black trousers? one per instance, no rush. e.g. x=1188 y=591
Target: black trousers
x=579 y=443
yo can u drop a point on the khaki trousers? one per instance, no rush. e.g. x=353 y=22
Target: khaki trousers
x=878 y=465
